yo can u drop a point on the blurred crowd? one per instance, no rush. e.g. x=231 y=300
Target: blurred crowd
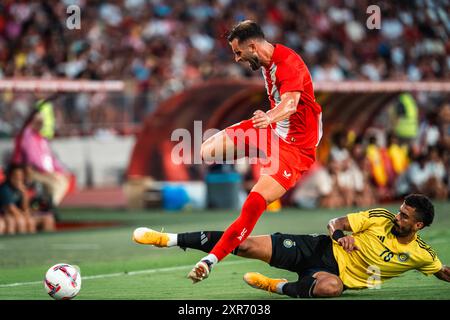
x=169 y=45
x=384 y=164
x=166 y=46
x=33 y=181
x=22 y=208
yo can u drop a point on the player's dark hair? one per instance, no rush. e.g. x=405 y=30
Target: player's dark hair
x=245 y=30
x=424 y=207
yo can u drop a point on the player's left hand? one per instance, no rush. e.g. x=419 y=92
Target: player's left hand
x=348 y=243
x=260 y=119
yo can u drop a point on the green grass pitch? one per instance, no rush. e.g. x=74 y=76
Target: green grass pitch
x=113 y=267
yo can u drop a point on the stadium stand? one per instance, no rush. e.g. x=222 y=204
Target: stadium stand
x=167 y=46
x=163 y=48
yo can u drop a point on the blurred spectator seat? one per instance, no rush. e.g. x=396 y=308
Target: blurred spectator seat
x=2 y=175
x=381 y=169
x=398 y=155
x=313 y=186
x=406 y=117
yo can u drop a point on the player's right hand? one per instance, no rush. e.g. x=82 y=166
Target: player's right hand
x=260 y=119
x=348 y=243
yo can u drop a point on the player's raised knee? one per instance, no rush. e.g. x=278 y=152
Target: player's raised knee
x=328 y=287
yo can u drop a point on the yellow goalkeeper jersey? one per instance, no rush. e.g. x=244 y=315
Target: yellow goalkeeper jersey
x=380 y=256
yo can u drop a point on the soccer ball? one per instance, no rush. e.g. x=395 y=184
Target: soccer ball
x=62 y=281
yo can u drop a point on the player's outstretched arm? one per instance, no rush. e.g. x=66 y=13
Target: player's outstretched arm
x=443 y=274
x=336 y=228
x=340 y=223
x=286 y=108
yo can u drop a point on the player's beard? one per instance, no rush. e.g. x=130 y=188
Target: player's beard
x=400 y=232
x=254 y=63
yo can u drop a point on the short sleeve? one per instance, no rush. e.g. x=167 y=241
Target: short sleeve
x=359 y=221
x=290 y=75
x=431 y=266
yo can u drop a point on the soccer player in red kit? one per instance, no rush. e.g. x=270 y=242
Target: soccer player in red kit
x=287 y=135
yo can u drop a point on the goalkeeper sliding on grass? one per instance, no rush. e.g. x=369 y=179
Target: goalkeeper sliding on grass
x=382 y=245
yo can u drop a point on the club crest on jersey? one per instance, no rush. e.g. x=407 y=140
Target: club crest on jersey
x=403 y=256
x=288 y=243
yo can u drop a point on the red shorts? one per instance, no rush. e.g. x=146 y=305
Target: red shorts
x=282 y=161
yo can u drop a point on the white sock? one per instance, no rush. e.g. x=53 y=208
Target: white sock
x=280 y=287
x=211 y=258
x=173 y=239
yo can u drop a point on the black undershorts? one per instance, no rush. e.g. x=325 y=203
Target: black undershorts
x=303 y=254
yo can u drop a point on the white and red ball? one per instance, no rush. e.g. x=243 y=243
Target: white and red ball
x=62 y=281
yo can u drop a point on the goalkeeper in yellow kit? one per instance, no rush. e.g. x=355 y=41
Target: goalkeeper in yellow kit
x=382 y=245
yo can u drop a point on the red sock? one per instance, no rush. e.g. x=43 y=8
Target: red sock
x=241 y=228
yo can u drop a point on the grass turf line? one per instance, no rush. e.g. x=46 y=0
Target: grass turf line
x=111 y=251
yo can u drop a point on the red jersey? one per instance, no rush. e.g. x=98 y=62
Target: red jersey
x=287 y=73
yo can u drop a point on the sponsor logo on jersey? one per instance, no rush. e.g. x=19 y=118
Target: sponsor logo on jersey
x=403 y=256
